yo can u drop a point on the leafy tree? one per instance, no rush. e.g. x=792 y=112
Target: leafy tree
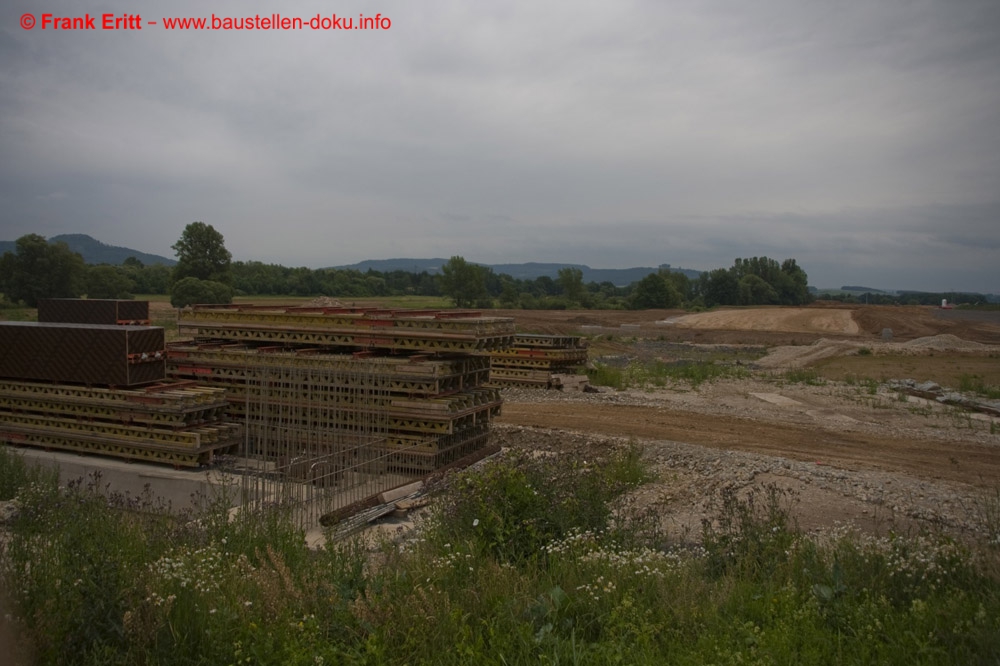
x=654 y=291
x=794 y=288
x=571 y=281
x=106 y=281
x=153 y=279
x=191 y=290
x=39 y=269
x=755 y=291
x=201 y=253
x=720 y=287
x=680 y=282
x=464 y=283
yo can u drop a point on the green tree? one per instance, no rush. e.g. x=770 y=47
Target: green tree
x=464 y=283
x=754 y=290
x=191 y=291
x=39 y=269
x=720 y=287
x=794 y=288
x=106 y=281
x=654 y=291
x=201 y=253
x=571 y=281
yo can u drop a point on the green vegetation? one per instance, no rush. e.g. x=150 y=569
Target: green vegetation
x=639 y=374
x=806 y=376
x=974 y=383
x=39 y=269
x=532 y=559
x=755 y=281
x=191 y=290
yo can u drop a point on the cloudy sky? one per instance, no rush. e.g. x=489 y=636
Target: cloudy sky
x=861 y=137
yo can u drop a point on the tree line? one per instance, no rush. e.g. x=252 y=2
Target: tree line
x=206 y=273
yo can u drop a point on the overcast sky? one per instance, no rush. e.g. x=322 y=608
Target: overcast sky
x=861 y=137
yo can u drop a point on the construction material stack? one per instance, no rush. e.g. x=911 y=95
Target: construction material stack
x=540 y=361
x=108 y=311
x=102 y=389
x=411 y=384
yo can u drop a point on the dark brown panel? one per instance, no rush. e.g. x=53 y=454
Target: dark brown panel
x=91 y=311
x=78 y=353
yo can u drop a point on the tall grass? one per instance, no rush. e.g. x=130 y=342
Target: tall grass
x=530 y=560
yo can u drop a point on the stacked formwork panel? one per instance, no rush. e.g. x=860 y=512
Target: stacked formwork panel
x=100 y=389
x=110 y=312
x=428 y=365
x=532 y=360
x=81 y=353
x=177 y=423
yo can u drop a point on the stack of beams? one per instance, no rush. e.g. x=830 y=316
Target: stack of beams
x=177 y=423
x=427 y=369
x=95 y=388
x=432 y=331
x=533 y=359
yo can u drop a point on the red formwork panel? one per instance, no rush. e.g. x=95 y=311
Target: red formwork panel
x=92 y=311
x=80 y=353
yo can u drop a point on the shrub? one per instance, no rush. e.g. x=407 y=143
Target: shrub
x=191 y=291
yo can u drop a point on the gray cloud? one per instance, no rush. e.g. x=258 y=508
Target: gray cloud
x=858 y=137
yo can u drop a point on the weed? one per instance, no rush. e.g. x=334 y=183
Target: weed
x=970 y=383
x=865 y=351
x=529 y=560
x=804 y=376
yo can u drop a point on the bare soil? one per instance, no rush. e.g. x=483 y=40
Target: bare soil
x=875 y=460
x=741 y=326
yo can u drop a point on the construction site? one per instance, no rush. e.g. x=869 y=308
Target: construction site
x=320 y=409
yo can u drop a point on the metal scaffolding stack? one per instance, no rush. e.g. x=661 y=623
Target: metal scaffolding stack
x=533 y=360
x=432 y=331
x=430 y=411
x=345 y=403
x=99 y=388
x=177 y=423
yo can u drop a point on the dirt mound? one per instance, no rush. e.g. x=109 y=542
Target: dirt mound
x=802 y=355
x=945 y=342
x=788 y=320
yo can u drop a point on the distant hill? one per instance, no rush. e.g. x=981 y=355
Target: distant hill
x=870 y=290
x=94 y=251
x=525 y=271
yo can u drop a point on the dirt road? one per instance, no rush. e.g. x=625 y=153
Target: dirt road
x=927 y=458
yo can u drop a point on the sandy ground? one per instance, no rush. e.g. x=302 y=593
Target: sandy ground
x=874 y=461
x=877 y=461
x=786 y=320
x=745 y=325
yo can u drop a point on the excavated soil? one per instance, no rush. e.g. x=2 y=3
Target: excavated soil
x=749 y=325
x=845 y=455
x=848 y=452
